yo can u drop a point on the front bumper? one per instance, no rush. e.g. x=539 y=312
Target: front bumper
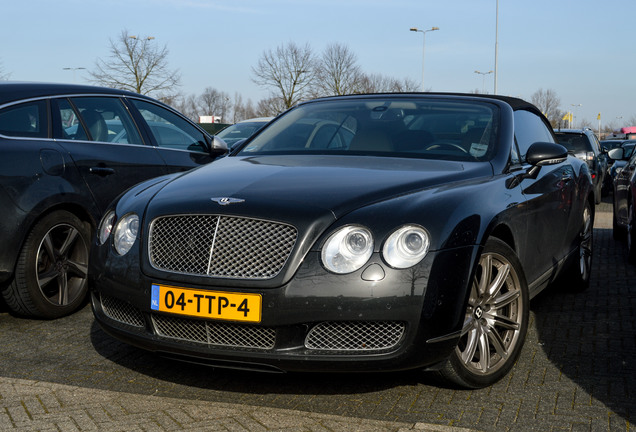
x=316 y=322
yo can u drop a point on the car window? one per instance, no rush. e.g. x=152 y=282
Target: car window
x=431 y=129
x=171 y=130
x=574 y=142
x=104 y=119
x=25 y=120
x=529 y=129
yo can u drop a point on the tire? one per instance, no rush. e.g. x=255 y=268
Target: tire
x=579 y=273
x=50 y=278
x=496 y=320
x=631 y=235
x=617 y=231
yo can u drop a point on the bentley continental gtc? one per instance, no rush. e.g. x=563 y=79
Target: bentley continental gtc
x=355 y=233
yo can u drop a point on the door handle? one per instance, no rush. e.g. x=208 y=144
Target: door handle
x=101 y=171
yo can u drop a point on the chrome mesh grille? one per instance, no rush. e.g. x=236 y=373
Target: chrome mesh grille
x=122 y=311
x=220 y=246
x=213 y=333
x=355 y=336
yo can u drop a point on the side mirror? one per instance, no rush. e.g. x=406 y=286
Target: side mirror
x=539 y=154
x=218 y=146
x=616 y=153
x=546 y=153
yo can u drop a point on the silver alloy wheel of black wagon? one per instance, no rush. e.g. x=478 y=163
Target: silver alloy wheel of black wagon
x=51 y=274
x=495 y=323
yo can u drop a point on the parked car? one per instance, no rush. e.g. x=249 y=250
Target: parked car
x=356 y=233
x=584 y=144
x=615 y=166
x=623 y=227
x=242 y=130
x=68 y=151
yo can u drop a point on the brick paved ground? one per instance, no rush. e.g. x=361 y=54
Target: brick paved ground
x=576 y=373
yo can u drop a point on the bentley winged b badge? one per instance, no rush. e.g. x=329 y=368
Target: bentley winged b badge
x=227 y=201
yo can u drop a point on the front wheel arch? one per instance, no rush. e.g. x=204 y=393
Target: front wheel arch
x=495 y=322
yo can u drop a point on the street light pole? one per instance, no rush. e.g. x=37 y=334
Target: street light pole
x=73 y=69
x=575 y=107
x=483 y=74
x=415 y=29
x=496 y=42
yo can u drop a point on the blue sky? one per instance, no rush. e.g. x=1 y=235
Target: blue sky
x=583 y=50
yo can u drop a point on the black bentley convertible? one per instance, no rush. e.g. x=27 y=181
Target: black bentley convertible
x=357 y=233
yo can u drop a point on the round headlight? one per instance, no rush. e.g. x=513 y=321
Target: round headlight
x=106 y=227
x=347 y=249
x=125 y=233
x=406 y=246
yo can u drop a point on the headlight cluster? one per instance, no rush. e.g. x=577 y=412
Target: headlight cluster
x=124 y=232
x=350 y=247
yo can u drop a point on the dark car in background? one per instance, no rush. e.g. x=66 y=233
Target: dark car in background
x=67 y=152
x=624 y=220
x=359 y=233
x=584 y=144
x=242 y=130
x=615 y=166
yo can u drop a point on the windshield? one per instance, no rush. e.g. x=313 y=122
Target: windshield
x=402 y=127
x=239 y=131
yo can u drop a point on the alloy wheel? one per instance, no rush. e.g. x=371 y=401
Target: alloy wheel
x=62 y=265
x=494 y=316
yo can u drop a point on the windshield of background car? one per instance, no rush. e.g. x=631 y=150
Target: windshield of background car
x=420 y=128
x=239 y=131
x=574 y=142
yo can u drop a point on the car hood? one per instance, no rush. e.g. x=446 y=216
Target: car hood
x=274 y=186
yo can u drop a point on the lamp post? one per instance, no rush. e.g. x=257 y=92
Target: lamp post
x=483 y=74
x=496 y=43
x=74 y=69
x=575 y=107
x=415 y=29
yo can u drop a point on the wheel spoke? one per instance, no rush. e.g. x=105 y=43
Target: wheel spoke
x=486 y=269
x=505 y=299
x=63 y=289
x=78 y=269
x=499 y=282
x=505 y=322
x=70 y=239
x=496 y=341
x=47 y=242
x=47 y=276
x=484 y=352
x=471 y=346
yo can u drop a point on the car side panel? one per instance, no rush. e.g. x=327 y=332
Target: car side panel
x=108 y=168
x=37 y=175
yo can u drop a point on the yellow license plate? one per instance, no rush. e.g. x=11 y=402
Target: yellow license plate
x=206 y=304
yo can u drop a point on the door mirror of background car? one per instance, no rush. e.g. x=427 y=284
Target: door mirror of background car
x=218 y=147
x=616 y=154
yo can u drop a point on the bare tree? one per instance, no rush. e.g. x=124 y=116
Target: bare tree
x=270 y=107
x=214 y=102
x=3 y=76
x=378 y=83
x=338 y=72
x=288 y=71
x=242 y=110
x=136 y=64
x=548 y=102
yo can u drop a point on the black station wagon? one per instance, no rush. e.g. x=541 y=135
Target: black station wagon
x=67 y=152
x=360 y=233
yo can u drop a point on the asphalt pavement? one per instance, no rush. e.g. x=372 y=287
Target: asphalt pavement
x=576 y=373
